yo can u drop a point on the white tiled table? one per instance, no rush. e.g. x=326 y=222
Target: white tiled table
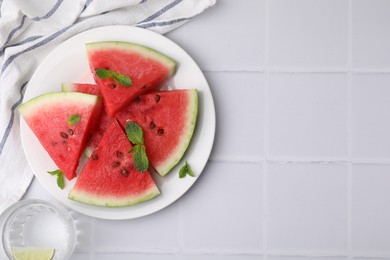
x=301 y=163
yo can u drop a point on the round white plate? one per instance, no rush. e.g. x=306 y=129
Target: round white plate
x=68 y=63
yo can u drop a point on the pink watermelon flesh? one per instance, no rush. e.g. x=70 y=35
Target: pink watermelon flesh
x=110 y=178
x=146 y=68
x=47 y=116
x=92 y=89
x=168 y=120
x=104 y=121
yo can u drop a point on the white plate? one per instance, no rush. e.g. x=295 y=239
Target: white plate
x=68 y=63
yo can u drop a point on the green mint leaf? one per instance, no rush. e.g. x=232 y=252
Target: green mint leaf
x=134 y=133
x=60 y=180
x=55 y=172
x=104 y=74
x=134 y=148
x=186 y=170
x=122 y=79
x=74 y=119
x=140 y=159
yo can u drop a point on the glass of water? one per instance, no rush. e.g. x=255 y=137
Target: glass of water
x=38 y=224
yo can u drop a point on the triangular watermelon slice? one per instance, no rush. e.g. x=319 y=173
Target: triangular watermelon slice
x=86 y=88
x=146 y=68
x=61 y=121
x=104 y=121
x=168 y=121
x=110 y=178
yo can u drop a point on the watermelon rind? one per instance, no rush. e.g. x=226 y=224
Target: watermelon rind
x=192 y=113
x=29 y=107
x=67 y=87
x=112 y=201
x=133 y=47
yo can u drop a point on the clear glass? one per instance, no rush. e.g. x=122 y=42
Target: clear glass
x=37 y=223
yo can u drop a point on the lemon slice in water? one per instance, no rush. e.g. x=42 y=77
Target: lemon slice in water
x=32 y=253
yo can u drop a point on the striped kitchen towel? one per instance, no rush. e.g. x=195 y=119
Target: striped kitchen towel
x=29 y=30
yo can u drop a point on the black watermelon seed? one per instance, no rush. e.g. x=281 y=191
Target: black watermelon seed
x=71 y=132
x=95 y=157
x=157 y=98
x=119 y=154
x=138 y=99
x=113 y=85
x=64 y=135
x=152 y=125
x=125 y=172
x=160 y=131
x=115 y=164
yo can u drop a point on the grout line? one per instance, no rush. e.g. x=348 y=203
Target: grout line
x=319 y=70
x=265 y=132
x=349 y=132
x=302 y=161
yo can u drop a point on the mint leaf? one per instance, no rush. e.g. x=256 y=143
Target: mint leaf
x=122 y=79
x=117 y=77
x=134 y=133
x=55 y=172
x=60 y=181
x=74 y=119
x=104 y=74
x=186 y=170
x=60 y=178
x=140 y=159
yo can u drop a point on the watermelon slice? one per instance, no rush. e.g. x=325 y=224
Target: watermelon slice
x=86 y=88
x=61 y=122
x=104 y=121
x=110 y=178
x=168 y=121
x=146 y=68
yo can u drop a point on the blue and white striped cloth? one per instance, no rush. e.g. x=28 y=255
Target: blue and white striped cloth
x=29 y=30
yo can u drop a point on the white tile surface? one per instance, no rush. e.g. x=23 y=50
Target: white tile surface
x=370 y=110
x=238 y=119
x=307 y=116
x=308 y=33
x=230 y=36
x=306 y=258
x=370 y=34
x=221 y=257
x=223 y=212
x=156 y=232
x=130 y=256
x=307 y=207
x=371 y=208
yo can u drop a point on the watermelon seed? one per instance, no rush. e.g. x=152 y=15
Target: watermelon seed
x=138 y=99
x=125 y=172
x=64 y=142
x=113 y=85
x=71 y=132
x=157 y=98
x=115 y=164
x=64 y=135
x=95 y=157
x=160 y=131
x=152 y=125
x=119 y=154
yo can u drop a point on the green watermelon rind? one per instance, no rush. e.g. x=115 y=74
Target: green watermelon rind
x=192 y=114
x=90 y=199
x=67 y=87
x=29 y=108
x=129 y=46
